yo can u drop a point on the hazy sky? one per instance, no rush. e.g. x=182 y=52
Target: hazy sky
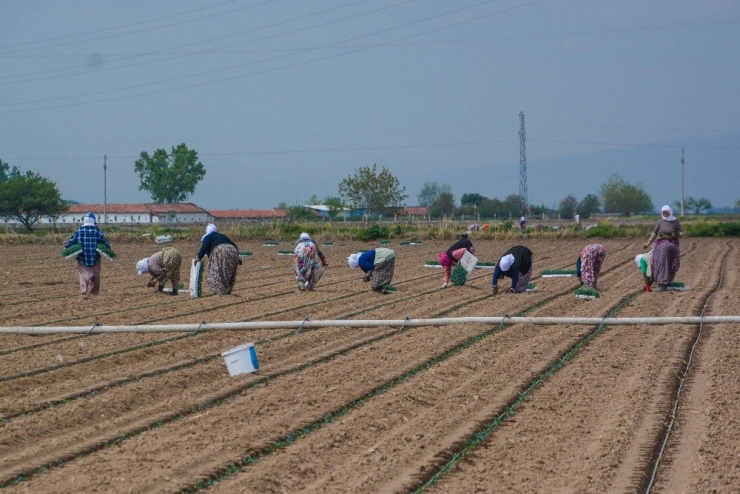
x=283 y=99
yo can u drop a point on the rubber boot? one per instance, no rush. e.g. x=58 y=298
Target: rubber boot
x=160 y=288
x=174 y=291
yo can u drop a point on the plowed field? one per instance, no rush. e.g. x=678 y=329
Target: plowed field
x=459 y=408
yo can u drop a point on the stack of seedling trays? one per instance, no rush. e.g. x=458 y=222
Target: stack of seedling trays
x=463 y=269
x=75 y=250
x=328 y=244
x=388 y=289
x=385 y=242
x=269 y=243
x=531 y=287
x=244 y=253
x=558 y=273
x=411 y=242
x=587 y=293
x=285 y=252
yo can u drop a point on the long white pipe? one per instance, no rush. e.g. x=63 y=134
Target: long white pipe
x=367 y=324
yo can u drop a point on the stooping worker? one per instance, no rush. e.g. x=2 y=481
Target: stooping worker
x=523 y=222
x=666 y=256
x=644 y=262
x=308 y=262
x=88 y=263
x=223 y=260
x=163 y=266
x=588 y=265
x=516 y=263
x=450 y=258
x=377 y=264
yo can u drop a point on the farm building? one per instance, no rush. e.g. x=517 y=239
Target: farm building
x=136 y=213
x=248 y=215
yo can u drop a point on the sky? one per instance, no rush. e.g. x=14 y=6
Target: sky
x=283 y=99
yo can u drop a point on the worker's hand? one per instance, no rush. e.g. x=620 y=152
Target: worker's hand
x=324 y=263
x=239 y=261
x=646 y=246
x=495 y=289
x=152 y=282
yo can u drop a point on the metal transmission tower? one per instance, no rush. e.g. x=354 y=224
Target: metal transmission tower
x=523 y=163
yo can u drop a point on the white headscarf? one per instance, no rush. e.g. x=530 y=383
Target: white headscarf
x=522 y=219
x=506 y=262
x=88 y=220
x=142 y=266
x=209 y=229
x=305 y=236
x=670 y=213
x=354 y=261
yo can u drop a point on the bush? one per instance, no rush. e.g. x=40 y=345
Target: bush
x=373 y=232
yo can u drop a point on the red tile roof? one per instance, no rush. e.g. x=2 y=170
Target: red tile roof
x=417 y=210
x=136 y=208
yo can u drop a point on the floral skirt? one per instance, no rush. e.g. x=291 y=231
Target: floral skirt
x=382 y=274
x=221 y=270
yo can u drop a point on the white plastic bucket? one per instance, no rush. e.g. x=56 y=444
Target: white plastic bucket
x=241 y=359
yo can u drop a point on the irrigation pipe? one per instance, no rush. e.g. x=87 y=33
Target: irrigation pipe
x=163 y=328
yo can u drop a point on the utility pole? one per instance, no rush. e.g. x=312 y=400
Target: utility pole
x=105 y=189
x=681 y=182
x=523 y=164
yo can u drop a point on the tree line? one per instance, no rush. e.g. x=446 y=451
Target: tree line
x=171 y=177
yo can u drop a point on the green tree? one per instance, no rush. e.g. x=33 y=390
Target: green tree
x=619 y=196
x=490 y=207
x=444 y=205
x=170 y=178
x=282 y=205
x=28 y=197
x=430 y=192
x=372 y=191
x=694 y=205
x=473 y=199
x=567 y=207
x=300 y=213
x=313 y=200
x=514 y=205
x=334 y=204
x=4 y=171
x=589 y=205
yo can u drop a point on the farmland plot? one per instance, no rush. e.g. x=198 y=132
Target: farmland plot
x=454 y=408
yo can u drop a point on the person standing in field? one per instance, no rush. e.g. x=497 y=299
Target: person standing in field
x=516 y=263
x=523 y=222
x=588 y=265
x=223 y=260
x=666 y=256
x=377 y=264
x=88 y=263
x=308 y=262
x=163 y=266
x=450 y=258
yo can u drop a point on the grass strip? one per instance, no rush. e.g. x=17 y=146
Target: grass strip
x=488 y=428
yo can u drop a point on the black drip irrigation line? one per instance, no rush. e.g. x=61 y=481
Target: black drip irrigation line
x=336 y=414
x=683 y=378
x=230 y=395
x=194 y=410
x=509 y=410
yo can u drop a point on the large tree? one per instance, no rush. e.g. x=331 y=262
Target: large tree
x=693 y=204
x=472 y=199
x=170 y=178
x=444 y=205
x=28 y=197
x=567 y=207
x=4 y=171
x=620 y=196
x=430 y=192
x=372 y=191
x=589 y=205
x=334 y=204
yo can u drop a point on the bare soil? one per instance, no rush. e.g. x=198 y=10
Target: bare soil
x=370 y=409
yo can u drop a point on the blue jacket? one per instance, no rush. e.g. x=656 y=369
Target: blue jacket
x=367 y=261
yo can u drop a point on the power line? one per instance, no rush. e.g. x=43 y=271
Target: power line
x=209 y=51
x=296 y=64
x=142 y=30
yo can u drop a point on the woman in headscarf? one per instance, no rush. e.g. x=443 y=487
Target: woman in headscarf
x=308 y=261
x=450 y=258
x=588 y=265
x=666 y=256
x=523 y=222
x=377 y=264
x=516 y=263
x=88 y=263
x=644 y=262
x=223 y=259
x=163 y=266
